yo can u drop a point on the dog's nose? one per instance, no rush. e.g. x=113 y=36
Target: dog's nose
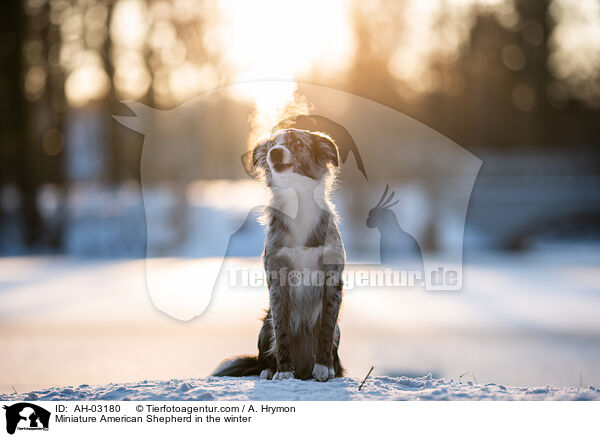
x=276 y=155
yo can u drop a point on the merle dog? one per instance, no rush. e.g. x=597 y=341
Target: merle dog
x=304 y=258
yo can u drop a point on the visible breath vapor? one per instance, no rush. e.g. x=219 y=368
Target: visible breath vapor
x=271 y=109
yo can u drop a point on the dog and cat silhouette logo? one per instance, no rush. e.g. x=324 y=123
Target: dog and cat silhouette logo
x=424 y=179
x=26 y=416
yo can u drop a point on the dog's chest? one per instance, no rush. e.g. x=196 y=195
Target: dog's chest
x=303 y=226
x=302 y=257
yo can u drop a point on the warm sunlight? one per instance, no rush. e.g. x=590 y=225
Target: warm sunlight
x=174 y=50
x=273 y=201
x=282 y=41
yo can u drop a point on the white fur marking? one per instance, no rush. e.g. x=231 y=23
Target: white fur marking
x=322 y=373
x=302 y=257
x=280 y=376
x=266 y=374
x=301 y=199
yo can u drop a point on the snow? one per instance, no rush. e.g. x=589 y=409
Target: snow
x=380 y=388
x=523 y=327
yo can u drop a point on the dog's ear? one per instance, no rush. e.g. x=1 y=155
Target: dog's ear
x=255 y=160
x=325 y=150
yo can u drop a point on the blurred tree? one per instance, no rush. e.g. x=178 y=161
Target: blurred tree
x=492 y=90
x=485 y=74
x=18 y=163
x=45 y=105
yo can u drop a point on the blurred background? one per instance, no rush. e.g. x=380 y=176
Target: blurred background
x=515 y=82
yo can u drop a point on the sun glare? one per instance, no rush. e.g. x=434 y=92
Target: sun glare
x=176 y=49
x=271 y=39
x=274 y=40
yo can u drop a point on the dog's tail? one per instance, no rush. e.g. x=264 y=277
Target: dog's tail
x=239 y=366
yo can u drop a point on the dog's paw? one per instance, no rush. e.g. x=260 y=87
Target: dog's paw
x=323 y=373
x=279 y=376
x=266 y=374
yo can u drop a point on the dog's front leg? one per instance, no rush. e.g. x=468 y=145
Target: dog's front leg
x=332 y=300
x=280 y=312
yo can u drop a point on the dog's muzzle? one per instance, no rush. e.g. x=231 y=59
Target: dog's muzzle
x=279 y=158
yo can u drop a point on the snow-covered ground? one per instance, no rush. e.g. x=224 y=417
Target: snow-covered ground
x=380 y=388
x=521 y=325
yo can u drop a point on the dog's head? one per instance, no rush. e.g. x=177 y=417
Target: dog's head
x=288 y=153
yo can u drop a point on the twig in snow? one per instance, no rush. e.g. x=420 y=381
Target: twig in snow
x=466 y=373
x=363 y=381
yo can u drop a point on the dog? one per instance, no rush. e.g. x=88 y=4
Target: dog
x=303 y=258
